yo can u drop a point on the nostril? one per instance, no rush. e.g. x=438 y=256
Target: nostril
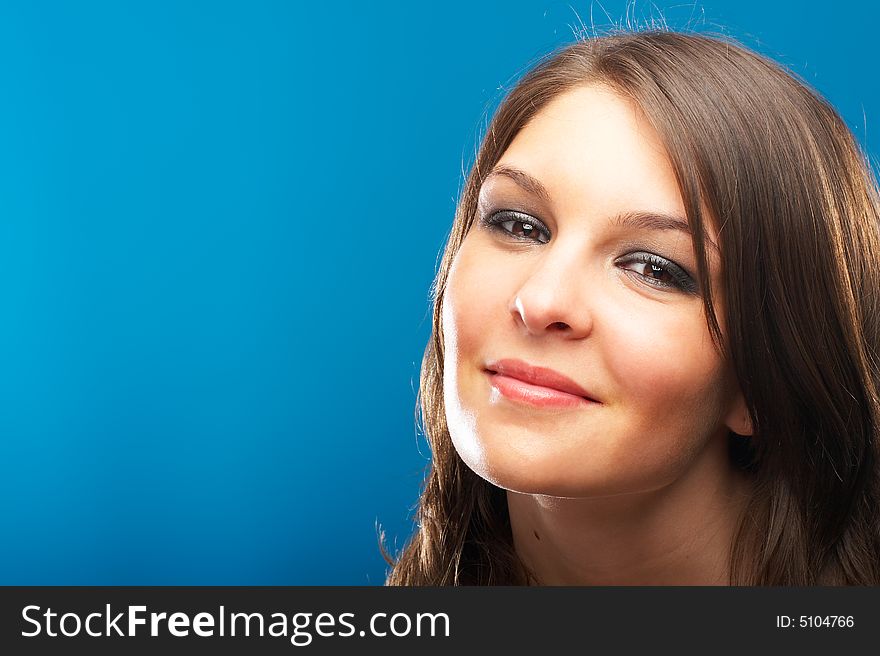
x=559 y=325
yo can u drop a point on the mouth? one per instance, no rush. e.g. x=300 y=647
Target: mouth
x=537 y=386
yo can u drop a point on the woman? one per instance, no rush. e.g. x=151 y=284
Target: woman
x=656 y=335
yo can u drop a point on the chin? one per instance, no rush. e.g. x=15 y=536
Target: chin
x=528 y=477
x=553 y=475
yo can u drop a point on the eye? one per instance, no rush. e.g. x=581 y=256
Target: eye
x=658 y=272
x=517 y=225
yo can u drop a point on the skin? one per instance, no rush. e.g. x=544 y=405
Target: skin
x=637 y=487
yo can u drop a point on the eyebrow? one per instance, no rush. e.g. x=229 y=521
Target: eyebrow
x=658 y=221
x=523 y=179
x=636 y=220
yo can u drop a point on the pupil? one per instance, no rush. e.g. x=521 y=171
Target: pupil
x=656 y=271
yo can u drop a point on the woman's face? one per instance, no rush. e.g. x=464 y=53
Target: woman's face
x=579 y=262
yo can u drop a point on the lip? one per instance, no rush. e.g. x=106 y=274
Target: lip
x=538 y=386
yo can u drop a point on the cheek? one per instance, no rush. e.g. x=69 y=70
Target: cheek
x=472 y=302
x=667 y=371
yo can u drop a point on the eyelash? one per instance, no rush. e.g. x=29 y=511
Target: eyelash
x=680 y=279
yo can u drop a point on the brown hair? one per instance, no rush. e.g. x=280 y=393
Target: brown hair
x=798 y=214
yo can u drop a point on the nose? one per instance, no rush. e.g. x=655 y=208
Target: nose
x=552 y=300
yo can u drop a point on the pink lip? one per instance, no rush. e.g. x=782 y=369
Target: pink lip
x=537 y=386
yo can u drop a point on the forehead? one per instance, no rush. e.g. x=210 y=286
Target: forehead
x=593 y=149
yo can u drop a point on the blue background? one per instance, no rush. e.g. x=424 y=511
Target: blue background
x=219 y=223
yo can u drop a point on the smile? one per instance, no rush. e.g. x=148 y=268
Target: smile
x=536 y=395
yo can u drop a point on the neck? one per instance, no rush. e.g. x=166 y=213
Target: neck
x=678 y=534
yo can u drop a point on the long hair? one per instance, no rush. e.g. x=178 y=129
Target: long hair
x=798 y=214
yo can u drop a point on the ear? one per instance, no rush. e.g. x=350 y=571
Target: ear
x=738 y=419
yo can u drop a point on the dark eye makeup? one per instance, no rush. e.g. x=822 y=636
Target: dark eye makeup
x=517 y=225
x=651 y=269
